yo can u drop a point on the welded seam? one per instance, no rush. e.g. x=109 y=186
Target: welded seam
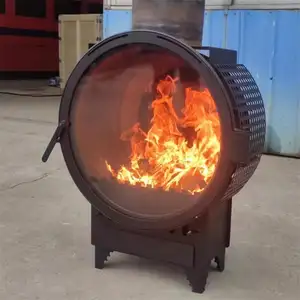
x=225 y=27
x=269 y=107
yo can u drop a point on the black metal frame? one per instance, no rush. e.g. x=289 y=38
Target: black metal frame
x=192 y=247
x=234 y=144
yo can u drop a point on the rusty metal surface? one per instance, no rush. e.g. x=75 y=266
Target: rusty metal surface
x=182 y=19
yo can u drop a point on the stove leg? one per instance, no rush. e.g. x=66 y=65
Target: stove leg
x=220 y=260
x=198 y=277
x=228 y=226
x=101 y=256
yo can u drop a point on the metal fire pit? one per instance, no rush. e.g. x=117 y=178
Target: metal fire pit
x=110 y=90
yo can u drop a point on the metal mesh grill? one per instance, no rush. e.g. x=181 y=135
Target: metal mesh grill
x=240 y=178
x=249 y=116
x=247 y=103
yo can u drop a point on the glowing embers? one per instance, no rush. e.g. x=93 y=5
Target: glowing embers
x=177 y=153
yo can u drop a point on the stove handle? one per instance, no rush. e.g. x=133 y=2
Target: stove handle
x=55 y=139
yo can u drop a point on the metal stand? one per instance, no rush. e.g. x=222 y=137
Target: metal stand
x=192 y=247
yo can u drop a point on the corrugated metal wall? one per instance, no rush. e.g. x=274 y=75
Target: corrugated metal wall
x=268 y=43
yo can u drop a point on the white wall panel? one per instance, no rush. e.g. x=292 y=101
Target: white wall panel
x=209 y=3
x=221 y=4
x=109 y=3
x=266 y=2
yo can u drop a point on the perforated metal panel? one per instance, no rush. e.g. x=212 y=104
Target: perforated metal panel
x=247 y=104
x=250 y=116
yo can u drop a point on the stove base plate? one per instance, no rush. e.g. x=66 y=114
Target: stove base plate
x=192 y=247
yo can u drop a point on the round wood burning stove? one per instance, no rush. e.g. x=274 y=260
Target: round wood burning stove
x=159 y=137
x=153 y=131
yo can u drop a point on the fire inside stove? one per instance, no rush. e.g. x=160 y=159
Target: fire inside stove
x=180 y=150
x=147 y=131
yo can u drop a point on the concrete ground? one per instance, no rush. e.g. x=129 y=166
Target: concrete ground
x=45 y=250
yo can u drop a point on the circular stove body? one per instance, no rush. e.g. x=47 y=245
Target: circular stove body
x=154 y=132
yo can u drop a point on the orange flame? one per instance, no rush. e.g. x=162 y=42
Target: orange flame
x=177 y=153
